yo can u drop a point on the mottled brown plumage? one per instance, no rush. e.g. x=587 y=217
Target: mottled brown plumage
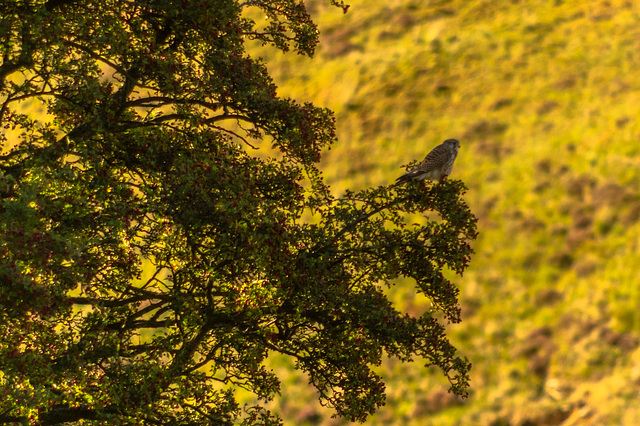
x=436 y=165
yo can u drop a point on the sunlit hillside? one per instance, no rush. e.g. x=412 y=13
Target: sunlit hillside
x=544 y=96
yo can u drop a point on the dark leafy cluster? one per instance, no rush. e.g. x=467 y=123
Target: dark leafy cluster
x=157 y=231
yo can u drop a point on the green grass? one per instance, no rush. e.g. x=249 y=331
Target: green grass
x=544 y=97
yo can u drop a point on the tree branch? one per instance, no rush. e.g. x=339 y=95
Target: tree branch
x=94 y=55
x=7 y=68
x=135 y=325
x=5 y=418
x=67 y=414
x=106 y=302
x=25 y=58
x=166 y=100
x=349 y=226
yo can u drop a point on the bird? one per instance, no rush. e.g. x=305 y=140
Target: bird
x=437 y=165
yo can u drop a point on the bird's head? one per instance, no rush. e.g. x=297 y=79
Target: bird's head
x=454 y=144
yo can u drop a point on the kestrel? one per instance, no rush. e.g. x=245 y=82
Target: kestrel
x=436 y=165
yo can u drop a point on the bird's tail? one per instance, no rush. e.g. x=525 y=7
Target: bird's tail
x=402 y=179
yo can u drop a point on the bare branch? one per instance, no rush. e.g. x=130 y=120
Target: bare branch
x=105 y=302
x=96 y=56
x=157 y=101
x=242 y=138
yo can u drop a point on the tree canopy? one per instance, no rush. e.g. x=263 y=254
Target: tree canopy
x=164 y=226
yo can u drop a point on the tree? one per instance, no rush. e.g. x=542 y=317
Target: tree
x=150 y=260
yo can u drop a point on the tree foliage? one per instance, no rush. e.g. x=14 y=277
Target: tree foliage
x=151 y=257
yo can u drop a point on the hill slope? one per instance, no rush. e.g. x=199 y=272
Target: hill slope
x=544 y=97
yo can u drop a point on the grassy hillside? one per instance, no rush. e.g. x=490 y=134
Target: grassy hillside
x=544 y=96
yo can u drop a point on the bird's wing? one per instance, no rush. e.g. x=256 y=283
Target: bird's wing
x=436 y=158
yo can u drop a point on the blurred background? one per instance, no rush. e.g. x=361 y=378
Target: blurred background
x=545 y=98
